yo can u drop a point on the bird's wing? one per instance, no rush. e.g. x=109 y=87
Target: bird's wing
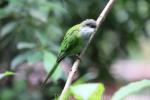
x=69 y=42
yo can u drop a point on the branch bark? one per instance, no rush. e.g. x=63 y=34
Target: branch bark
x=99 y=21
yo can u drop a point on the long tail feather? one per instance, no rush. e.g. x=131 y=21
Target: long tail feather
x=50 y=73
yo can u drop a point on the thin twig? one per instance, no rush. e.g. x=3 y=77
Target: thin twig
x=99 y=21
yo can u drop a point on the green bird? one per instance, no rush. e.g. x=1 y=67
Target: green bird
x=73 y=42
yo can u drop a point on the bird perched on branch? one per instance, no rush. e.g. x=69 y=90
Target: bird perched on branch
x=73 y=42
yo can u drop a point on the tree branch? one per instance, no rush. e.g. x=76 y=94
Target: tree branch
x=99 y=21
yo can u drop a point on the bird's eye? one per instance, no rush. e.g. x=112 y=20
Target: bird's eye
x=91 y=25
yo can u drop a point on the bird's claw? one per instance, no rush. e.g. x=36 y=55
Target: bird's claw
x=78 y=57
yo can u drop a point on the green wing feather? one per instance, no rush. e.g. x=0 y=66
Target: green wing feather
x=70 y=43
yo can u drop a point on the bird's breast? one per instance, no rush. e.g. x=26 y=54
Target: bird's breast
x=85 y=32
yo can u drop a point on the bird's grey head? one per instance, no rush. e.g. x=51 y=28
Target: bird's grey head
x=88 y=27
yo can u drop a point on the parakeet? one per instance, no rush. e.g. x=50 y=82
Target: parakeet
x=73 y=42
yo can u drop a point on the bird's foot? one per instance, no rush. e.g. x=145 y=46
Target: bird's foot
x=77 y=57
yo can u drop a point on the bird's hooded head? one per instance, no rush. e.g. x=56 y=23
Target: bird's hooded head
x=87 y=27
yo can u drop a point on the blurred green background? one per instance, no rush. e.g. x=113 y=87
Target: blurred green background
x=31 y=32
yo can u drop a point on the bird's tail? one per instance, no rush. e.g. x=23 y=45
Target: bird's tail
x=50 y=73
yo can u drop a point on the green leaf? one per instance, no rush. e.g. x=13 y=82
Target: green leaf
x=7 y=29
x=131 y=89
x=41 y=16
x=90 y=91
x=49 y=61
x=25 y=45
x=7 y=73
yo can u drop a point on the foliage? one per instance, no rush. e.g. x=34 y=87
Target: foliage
x=130 y=89
x=31 y=28
x=7 y=73
x=89 y=91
